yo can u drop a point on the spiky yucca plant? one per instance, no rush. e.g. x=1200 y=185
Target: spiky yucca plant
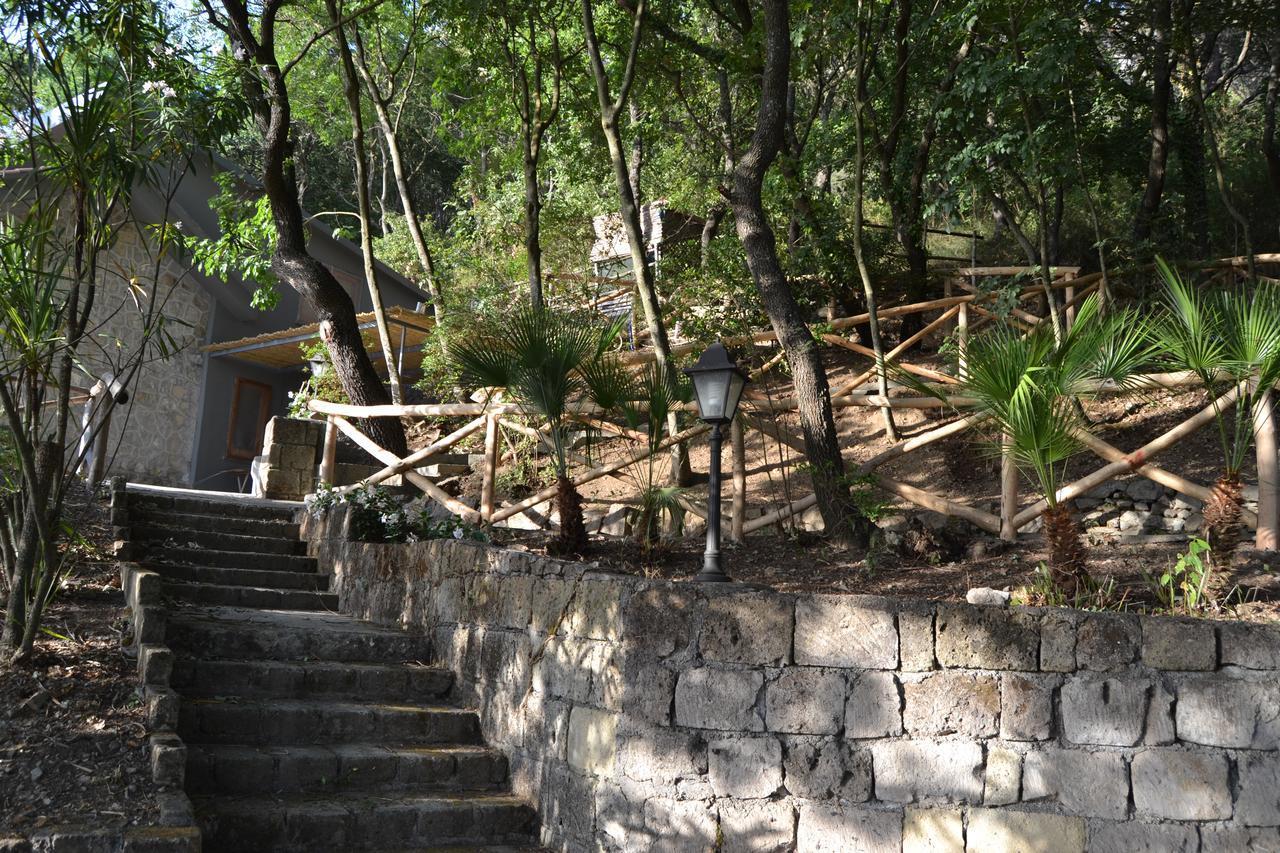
x=1228 y=339
x=547 y=362
x=1027 y=385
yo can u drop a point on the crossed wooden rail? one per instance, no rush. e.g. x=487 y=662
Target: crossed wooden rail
x=759 y=413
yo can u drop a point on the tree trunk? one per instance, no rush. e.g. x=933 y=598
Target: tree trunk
x=292 y=263
x=1270 y=148
x=1190 y=143
x=626 y=177
x=532 y=215
x=1161 y=88
x=364 y=209
x=391 y=137
x=843 y=522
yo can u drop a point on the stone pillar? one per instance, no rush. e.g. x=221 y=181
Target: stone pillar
x=290 y=452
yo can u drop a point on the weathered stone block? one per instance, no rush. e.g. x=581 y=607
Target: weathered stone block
x=933 y=831
x=1083 y=783
x=843 y=630
x=658 y=622
x=592 y=745
x=802 y=700
x=874 y=708
x=1004 y=776
x=986 y=638
x=680 y=824
x=1241 y=838
x=719 y=699
x=822 y=768
x=847 y=829
x=745 y=767
x=1109 y=712
x=753 y=628
x=1259 y=799
x=952 y=702
x=1216 y=711
x=1058 y=641
x=1026 y=707
x=648 y=692
x=157 y=839
x=1025 y=832
x=1249 y=646
x=911 y=771
x=1160 y=727
x=1178 y=644
x=915 y=639
x=597 y=612
x=1178 y=784
x=1107 y=641
x=1138 y=837
x=550 y=600
x=757 y=827
x=155 y=664
x=662 y=756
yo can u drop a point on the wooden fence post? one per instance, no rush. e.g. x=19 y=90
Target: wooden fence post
x=328 y=461
x=1069 y=294
x=1008 y=495
x=962 y=340
x=489 y=483
x=1264 y=432
x=739 y=480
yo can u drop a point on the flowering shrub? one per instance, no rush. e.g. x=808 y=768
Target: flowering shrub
x=377 y=516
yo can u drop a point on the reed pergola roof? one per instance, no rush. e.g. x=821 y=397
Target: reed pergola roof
x=409 y=330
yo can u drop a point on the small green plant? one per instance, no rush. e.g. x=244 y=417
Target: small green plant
x=862 y=491
x=377 y=516
x=1182 y=587
x=323 y=387
x=1044 y=591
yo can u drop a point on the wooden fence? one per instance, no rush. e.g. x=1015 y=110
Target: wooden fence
x=962 y=311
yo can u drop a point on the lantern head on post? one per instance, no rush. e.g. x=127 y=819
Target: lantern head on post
x=718 y=384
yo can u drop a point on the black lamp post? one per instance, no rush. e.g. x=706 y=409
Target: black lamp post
x=718 y=384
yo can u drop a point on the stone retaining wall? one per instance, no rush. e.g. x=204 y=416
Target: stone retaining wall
x=671 y=716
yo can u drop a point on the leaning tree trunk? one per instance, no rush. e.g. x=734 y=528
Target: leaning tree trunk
x=268 y=96
x=844 y=524
x=626 y=177
x=351 y=92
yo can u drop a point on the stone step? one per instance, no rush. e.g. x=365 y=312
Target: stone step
x=228 y=559
x=240 y=577
x=268 y=598
x=320 y=824
x=245 y=634
x=234 y=769
x=161 y=533
x=288 y=722
x=225 y=508
x=215 y=523
x=440 y=471
x=310 y=680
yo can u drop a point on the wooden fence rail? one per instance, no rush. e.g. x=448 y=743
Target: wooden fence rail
x=758 y=413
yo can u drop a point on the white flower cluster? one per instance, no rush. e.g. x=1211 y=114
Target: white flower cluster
x=163 y=88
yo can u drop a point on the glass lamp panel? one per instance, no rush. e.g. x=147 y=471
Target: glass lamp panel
x=736 y=383
x=712 y=389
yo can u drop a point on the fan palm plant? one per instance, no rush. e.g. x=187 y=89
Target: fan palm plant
x=1228 y=339
x=548 y=362
x=1027 y=385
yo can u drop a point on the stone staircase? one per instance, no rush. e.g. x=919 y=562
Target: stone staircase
x=307 y=730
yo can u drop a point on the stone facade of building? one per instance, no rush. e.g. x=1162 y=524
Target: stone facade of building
x=644 y=715
x=153 y=435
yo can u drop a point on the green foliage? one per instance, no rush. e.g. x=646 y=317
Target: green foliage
x=1182 y=586
x=245 y=244
x=324 y=387
x=546 y=361
x=1227 y=338
x=377 y=516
